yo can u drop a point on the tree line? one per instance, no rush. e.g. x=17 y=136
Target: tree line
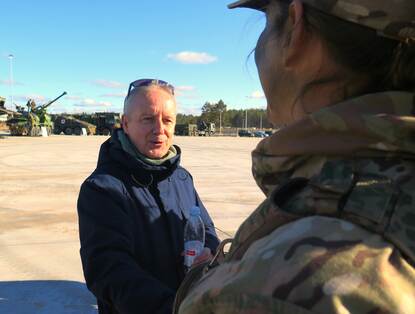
x=220 y=115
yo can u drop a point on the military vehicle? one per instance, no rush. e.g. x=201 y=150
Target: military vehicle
x=205 y=129
x=70 y=125
x=106 y=122
x=30 y=121
x=4 y=114
x=2 y=102
x=3 y=110
x=186 y=129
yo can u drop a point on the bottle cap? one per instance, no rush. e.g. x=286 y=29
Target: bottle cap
x=195 y=211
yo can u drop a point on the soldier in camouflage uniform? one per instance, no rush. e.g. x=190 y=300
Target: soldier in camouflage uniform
x=336 y=231
x=31 y=105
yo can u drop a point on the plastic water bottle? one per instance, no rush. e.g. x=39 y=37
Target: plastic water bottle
x=194 y=237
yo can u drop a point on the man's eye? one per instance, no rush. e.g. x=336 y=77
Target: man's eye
x=147 y=118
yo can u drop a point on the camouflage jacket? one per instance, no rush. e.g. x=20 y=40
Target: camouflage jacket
x=336 y=231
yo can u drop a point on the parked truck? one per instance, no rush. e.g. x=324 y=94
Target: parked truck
x=186 y=129
x=106 y=122
x=206 y=128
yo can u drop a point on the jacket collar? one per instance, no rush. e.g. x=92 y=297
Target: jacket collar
x=369 y=126
x=143 y=173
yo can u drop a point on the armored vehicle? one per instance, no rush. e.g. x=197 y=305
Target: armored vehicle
x=186 y=129
x=30 y=121
x=70 y=125
x=2 y=102
x=106 y=122
x=3 y=114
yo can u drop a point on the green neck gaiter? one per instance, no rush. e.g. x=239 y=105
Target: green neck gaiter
x=129 y=148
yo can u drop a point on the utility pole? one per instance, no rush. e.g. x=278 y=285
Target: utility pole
x=260 y=121
x=11 y=80
x=220 y=122
x=246 y=119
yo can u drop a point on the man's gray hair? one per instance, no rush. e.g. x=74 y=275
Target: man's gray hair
x=141 y=90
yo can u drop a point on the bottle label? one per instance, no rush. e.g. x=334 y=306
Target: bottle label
x=191 y=250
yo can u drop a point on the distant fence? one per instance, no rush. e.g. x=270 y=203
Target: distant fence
x=227 y=131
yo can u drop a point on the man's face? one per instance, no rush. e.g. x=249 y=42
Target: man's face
x=150 y=121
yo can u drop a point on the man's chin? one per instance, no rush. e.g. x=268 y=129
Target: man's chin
x=157 y=153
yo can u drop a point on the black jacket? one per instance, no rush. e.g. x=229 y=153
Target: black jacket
x=131 y=221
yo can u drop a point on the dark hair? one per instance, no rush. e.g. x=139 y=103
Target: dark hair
x=387 y=64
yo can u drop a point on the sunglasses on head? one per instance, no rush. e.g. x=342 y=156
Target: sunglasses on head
x=149 y=82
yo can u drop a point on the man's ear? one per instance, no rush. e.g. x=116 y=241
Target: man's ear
x=297 y=34
x=124 y=121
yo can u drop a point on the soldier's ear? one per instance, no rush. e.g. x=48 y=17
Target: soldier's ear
x=296 y=33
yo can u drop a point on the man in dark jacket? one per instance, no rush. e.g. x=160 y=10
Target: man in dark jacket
x=133 y=208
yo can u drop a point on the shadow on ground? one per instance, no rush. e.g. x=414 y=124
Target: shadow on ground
x=46 y=297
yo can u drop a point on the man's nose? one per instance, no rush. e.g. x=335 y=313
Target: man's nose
x=158 y=126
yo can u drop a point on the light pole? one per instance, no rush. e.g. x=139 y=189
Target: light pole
x=220 y=122
x=11 y=80
x=246 y=119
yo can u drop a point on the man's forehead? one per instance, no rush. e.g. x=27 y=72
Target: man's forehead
x=152 y=100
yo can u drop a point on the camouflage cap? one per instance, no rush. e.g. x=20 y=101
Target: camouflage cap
x=390 y=18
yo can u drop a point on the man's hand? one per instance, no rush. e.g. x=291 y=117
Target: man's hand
x=204 y=256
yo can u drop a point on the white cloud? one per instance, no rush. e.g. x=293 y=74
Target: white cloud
x=7 y=82
x=89 y=102
x=186 y=91
x=60 y=108
x=256 y=95
x=114 y=95
x=188 y=109
x=191 y=57
x=35 y=97
x=187 y=96
x=185 y=88
x=108 y=84
x=73 y=97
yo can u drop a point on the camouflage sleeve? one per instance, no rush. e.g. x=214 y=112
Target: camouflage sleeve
x=312 y=265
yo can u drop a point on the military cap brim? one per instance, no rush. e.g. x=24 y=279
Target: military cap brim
x=251 y=4
x=388 y=20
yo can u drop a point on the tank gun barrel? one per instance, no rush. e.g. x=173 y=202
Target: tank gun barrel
x=51 y=102
x=10 y=112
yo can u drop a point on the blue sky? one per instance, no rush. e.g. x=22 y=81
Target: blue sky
x=94 y=49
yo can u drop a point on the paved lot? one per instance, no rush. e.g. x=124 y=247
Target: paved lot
x=40 y=269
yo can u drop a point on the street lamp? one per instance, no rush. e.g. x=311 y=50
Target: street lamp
x=246 y=119
x=11 y=80
x=220 y=122
x=260 y=120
